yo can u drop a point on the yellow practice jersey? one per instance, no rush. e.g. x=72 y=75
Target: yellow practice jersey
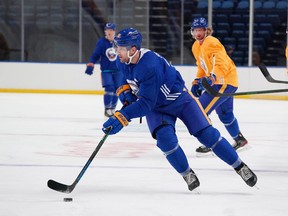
x=287 y=52
x=211 y=56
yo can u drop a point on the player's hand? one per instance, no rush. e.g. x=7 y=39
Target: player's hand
x=89 y=69
x=127 y=97
x=210 y=79
x=117 y=122
x=197 y=88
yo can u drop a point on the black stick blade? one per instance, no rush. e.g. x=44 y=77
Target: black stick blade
x=265 y=72
x=268 y=76
x=59 y=186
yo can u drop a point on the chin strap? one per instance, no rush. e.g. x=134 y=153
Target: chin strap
x=131 y=57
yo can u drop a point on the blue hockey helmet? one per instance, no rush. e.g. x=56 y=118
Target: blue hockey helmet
x=110 y=26
x=199 y=22
x=128 y=37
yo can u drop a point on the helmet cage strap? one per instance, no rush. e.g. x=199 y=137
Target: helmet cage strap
x=131 y=57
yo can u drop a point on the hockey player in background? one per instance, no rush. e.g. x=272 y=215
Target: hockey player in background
x=154 y=88
x=217 y=67
x=110 y=76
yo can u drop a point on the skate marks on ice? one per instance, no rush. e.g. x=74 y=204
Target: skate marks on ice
x=46 y=136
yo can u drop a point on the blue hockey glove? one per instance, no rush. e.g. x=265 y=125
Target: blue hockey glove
x=197 y=88
x=117 y=121
x=125 y=95
x=89 y=69
x=127 y=98
x=210 y=79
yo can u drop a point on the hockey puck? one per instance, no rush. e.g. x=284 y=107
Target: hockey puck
x=68 y=199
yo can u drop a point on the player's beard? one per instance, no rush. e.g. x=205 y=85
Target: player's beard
x=123 y=59
x=200 y=38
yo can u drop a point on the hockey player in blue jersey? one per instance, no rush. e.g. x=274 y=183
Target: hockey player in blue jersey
x=155 y=89
x=110 y=76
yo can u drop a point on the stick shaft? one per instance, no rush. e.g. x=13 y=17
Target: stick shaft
x=215 y=93
x=54 y=185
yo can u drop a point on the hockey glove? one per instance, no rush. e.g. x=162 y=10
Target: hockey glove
x=117 y=121
x=89 y=69
x=125 y=95
x=210 y=79
x=196 y=88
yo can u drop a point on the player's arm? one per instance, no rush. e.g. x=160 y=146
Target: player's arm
x=124 y=91
x=125 y=94
x=211 y=77
x=147 y=94
x=95 y=56
x=218 y=59
x=214 y=65
x=197 y=88
x=221 y=65
x=147 y=97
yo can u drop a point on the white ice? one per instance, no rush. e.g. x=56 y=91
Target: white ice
x=46 y=136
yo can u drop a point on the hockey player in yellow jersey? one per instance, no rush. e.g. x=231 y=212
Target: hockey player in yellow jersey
x=214 y=65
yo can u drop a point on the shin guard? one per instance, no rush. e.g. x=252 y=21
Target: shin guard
x=211 y=138
x=168 y=143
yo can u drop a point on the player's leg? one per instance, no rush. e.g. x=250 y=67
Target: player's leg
x=109 y=93
x=117 y=81
x=198 y=125
x=162 y=128
x=226 y=116
x=209 y=103
x=224 y=109
x=211 y=138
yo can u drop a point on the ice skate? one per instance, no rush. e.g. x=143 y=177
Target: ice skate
x=191 y=180
x=247 y=175
x=240 y=142
x=203 y=151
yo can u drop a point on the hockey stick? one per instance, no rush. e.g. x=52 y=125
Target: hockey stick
x=69 y=188
x=215 y=93
x=267 y=75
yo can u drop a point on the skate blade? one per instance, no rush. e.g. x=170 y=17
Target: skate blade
x=203 y=155
x=256 y=187
x=211 y=153
x=196 y=191
x=244 y=148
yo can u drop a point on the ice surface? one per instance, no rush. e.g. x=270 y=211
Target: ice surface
x=46 y=136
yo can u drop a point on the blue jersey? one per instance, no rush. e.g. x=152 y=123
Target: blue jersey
x=106 y=54
x=153 y=80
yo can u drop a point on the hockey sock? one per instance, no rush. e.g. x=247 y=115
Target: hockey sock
x=168 y=143
x=109 y=100
x=114 y=101
x=226 y=152
x=230 y=123
x=211 y=138
x=110 y=97
x=178 y=160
